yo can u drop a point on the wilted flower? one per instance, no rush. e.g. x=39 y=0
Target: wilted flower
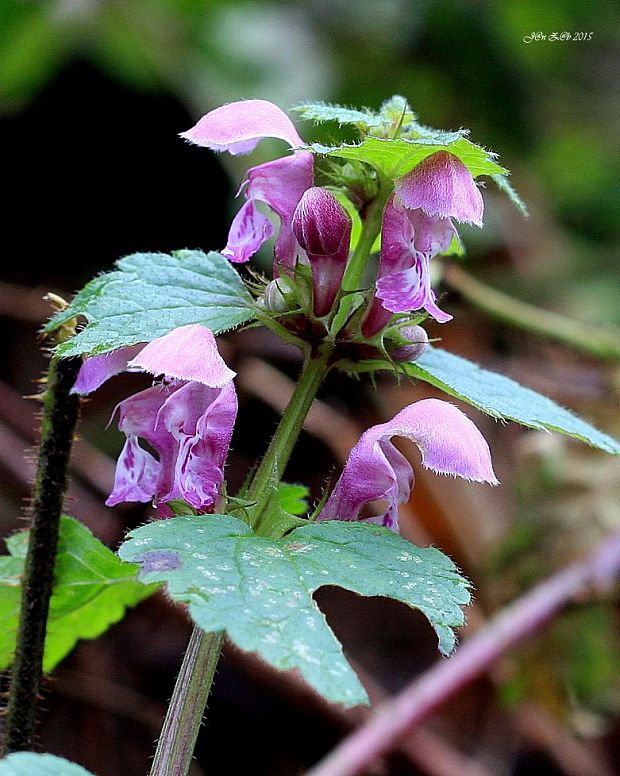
x=323 y=229
x=449 y=442
x=238 y=128
x=187 y=419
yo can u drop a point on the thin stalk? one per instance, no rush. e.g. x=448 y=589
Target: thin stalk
x=352 y=278
x=574 y=334
x=175 y=747
x=281 y=446
x=60 y=413
x=183 y=723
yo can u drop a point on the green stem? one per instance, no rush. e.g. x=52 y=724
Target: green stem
x=281 y=446
x=175 y=747
x=191 y=691
x=579 y=336
x=178 y=738
x=371 y=226
x=60 y=413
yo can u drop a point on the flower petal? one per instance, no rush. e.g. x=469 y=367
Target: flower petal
x=442 y=186
x=136 y=475
x=239 y=126
x=187 y=353
x=97 y=369
x=323 y=229
x=410 y=290
x=248 y=231
x=449 y=442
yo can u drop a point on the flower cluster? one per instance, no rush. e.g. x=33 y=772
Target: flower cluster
x=315 y=228
x=186 y=417
x=188 y=420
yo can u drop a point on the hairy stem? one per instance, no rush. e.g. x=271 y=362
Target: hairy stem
x=176 y=743
x=516 y=622
x=60 y=413
x=579 y=336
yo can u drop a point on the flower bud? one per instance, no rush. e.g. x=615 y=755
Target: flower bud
x=280 y=295
x=417 y=339
x=322 y=227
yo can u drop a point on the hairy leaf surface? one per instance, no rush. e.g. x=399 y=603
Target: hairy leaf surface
x=149 y=294
x=259 y=590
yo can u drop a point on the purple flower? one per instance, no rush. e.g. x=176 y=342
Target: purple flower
x=442 y=186
x=238 y=128
x=187 y=419
x=449 y=442
x=409 y=239
x=323 y=229
x=417 y=225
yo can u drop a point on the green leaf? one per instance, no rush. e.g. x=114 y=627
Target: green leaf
x=31 y=764
x=503 y=398
x=92 y=590
x=395 y=158
x=503 y=184
x=293 y=498
x=259 y=590
x=321 y=112
x=152 y=293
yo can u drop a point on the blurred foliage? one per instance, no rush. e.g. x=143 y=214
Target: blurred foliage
x=567 y=502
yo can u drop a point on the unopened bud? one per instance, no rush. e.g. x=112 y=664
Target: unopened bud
x=322 y=227
x=417 y=340
x=280 y=295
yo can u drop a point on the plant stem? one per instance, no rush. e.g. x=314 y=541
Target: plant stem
x=178 y=736
x=357 y=263
x=187 y=705
x=60 y=413
x=191 y=691
x=395 y=718
x=281 y=446
x=579 y=336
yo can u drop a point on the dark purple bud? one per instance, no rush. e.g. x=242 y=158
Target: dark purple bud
x=417 y=339
x=322 y=227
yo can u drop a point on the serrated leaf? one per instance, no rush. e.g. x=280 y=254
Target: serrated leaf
x=503 y=398
x=322 y=112
x=92 y=590
x=395 y=158
x=31 y=764
x=259 y=590
x=152 y=293
x=503 y=184
x=293 y=498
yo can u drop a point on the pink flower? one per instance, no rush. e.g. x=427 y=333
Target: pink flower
x=323 y=229
x=449 y=442
x=238 y=128
x=442 y=186
x=417 y=225
x=409 y=239
x=187 y=419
